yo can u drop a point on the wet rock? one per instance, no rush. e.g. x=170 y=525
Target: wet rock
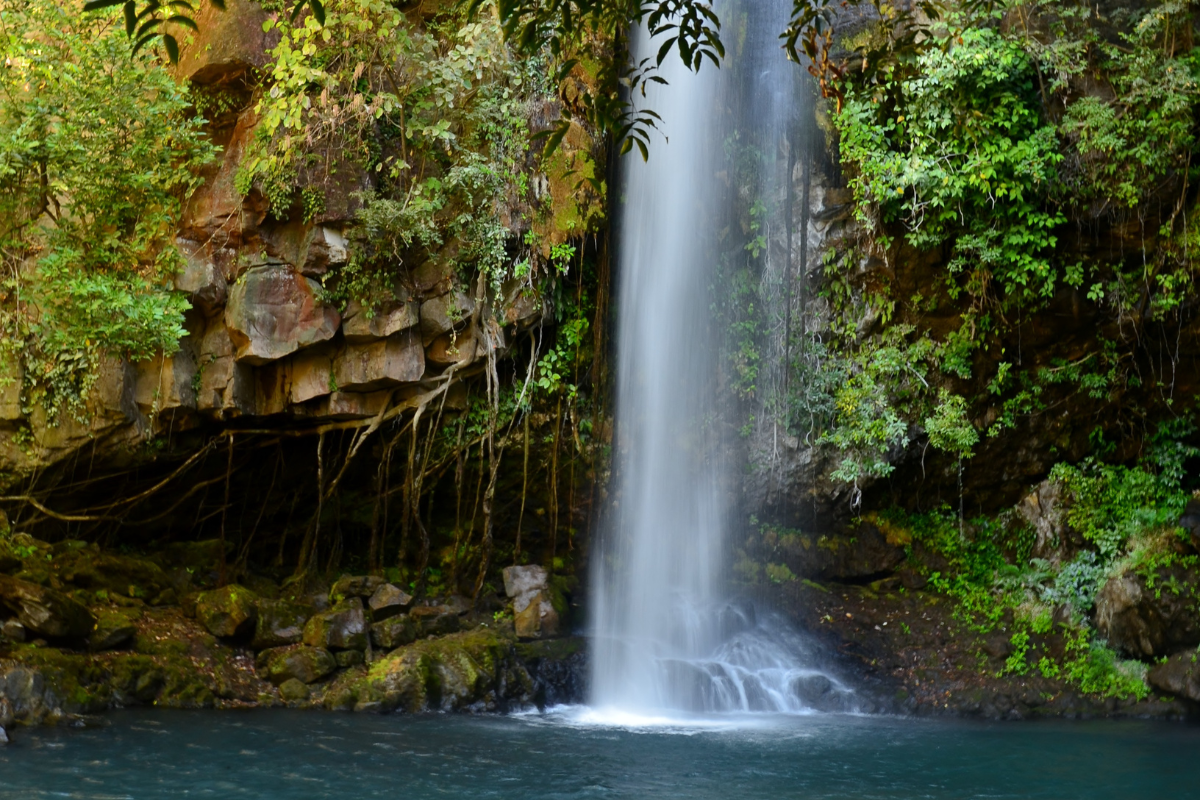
x=342 y=627
x=394 y=632
x=388 y=601
x=356 y=586
x=44 y=611
x=293 y=690
x=1178 y=675
x=434 y=620
x=227 y=611
x=113 y=629
x=274 y=311
x=301 y=663
x=1150 y=621
x=377 y=365
x=279 y=623
x=360 y=326
x=13 y=631
x=533 y=610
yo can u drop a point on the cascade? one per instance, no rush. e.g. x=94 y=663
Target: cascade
x=666 y=635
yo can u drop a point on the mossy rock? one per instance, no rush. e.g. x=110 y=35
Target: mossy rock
x=110 y=572
x=446 y=674
x=228 y=611
x=394 y=632
x=343 y=627
x=113 y=629
x=279 y=623
x=293 y=691
x=303 y=663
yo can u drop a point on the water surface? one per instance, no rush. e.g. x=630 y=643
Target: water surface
x=293 y=754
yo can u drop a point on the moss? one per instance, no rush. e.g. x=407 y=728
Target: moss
x=551 y=649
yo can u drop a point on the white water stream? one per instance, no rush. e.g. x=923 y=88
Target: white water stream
x=667 y=638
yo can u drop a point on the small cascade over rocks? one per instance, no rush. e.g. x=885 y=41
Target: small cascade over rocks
x=667 y=638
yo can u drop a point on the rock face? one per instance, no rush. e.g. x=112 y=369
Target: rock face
x=343 y=627
x=377 y=365
x=1150 y=621
x=870 y=555
x=45 y=611
x=1043 y=510
x=1179 y=675
x=533 y=610
x=228 y=611
x=274 y=311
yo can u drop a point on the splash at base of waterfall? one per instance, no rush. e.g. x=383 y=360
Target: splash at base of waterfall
x=725 y=659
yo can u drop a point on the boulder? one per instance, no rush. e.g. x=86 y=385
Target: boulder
x=279 y=623
x=378 y=365
x=293 y=690
x=304 y=664
x=356 y=586
x=434 y=620
x=113 y=629
x=388 y=601
x=274 y=311
x=534 y=616
x=44 y=611
x=360 y=325
x=1178 y=675
x=1148 y=621
x=343 y=627
x=227 y=611
x=12 y=630
x=394 y=632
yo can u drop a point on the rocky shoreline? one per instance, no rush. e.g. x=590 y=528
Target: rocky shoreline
x=79 y=637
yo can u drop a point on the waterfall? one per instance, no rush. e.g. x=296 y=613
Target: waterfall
x=666 y=636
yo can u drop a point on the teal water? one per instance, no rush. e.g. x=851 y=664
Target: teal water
x=289 y=754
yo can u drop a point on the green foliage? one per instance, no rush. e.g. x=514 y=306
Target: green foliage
x=964 y=159
x=97 y=151
x=438 y=117
x=1111 y=504
x=948 y=426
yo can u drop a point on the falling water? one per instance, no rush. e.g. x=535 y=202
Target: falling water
x=667 y=636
